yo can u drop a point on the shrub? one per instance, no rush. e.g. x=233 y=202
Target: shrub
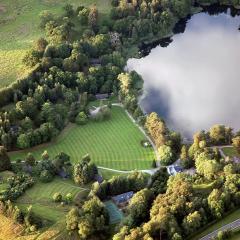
x=57 y=197
x=81 y=118
x=69 y=198
x=46 y=176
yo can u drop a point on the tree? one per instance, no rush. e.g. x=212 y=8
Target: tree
x=45 y=17
x=236 y=143
x=46 y=176
x=5 y=163
x=186 y=161
x=192 y=222
x=93 y=17
x=157 y=129
x=81 y=118
x=84 y=171
x=68 y=9
x=69 y=198
x=220 y=134
x=27 y=108
x=207 y=166
x=23 y=141
x=41 y=44
x=72 y=219
x=159 y=181
x=57 y=197
x=61 y=162
x=30 y=159
x=27 y=124
x=31 y=58
x=166 y=155
x=94 y=220
x=216 y=203
x=83 y=16
x=139 y=205
x=45 y=155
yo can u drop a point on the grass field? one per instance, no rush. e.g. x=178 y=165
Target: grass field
x=114 y=143
x=230 y=151
x=227 y=219
x=40 y=197
x=3 y=179
x=19 y=21
x=236 y=236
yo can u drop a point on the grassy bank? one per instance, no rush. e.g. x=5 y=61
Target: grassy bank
x=230 y=151
x=40 y=197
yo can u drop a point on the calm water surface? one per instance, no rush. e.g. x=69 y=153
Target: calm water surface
x=194 y=82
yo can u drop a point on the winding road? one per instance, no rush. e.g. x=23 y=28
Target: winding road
x=149 y=171
x=230 y=226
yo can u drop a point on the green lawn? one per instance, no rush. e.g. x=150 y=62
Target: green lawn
x=19 y=21
x=107 y=174
x=230 y=151
x=115 y=215
x=227 y=219
x=114 y=143
x=204 y=188
x=40 y=197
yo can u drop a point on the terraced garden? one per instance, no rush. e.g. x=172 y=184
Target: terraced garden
x=40 y=197
x=19 y=21
x=121 y=150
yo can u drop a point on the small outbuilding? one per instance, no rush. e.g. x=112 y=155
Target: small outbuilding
x=95 y=62
x=63 y=174
x=98 y=178
x=102 y=96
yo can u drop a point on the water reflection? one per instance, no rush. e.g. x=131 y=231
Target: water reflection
x=194 y=82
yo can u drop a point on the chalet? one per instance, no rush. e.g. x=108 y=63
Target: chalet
x=173 y=170
x=63 y=174
x=95 y=62
x=14 y=129
x=122 y=199
x=102 y=96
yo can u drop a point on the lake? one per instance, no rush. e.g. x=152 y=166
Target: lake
x=193 y=82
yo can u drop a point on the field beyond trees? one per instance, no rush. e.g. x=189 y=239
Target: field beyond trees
x=121 y=150
x=19 y=28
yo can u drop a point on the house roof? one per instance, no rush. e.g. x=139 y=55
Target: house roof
x=102 y=95
x=173 y=170
x=98 y=178
x=123 y=197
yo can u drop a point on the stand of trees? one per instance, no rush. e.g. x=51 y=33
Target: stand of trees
x=167 y=142
x=85 y=171
x=91 y=221
x=27 y=219
x=119 y=184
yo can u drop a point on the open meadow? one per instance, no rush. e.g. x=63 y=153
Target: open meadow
x=121 y=150
x=19 y=28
